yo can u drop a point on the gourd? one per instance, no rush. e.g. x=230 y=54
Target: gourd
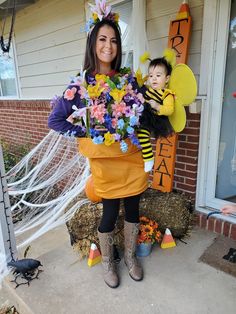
x=90 y=191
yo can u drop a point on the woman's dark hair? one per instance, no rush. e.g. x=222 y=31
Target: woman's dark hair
x=91 y=61
x=161 y=62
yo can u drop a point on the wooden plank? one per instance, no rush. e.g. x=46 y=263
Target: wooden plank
x=48 y=80
x=156 y=8
x=157 y=45
x=178 y=39
x=52 y=66
x=46 y=92
x=159 y=27
x=53 y=53
x=58 y=37
x=50 y=19
x=164 y=160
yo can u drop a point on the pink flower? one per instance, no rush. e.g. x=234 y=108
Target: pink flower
x=114 y=123
x=83 y=92
x=70 y=93
x=129 y=90
x=234 y=94
x=119 y=109
x=98 y=111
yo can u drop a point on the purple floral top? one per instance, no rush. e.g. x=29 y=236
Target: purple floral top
x=63 y=109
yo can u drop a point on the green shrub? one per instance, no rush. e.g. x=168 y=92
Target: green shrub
x=12 y=154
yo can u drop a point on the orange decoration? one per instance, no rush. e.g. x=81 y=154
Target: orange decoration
x=179 y=34
x=163 y=172
x=179 y=38
x=90 y=192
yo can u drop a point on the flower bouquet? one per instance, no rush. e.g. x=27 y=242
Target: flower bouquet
x=111 y=108
x=148 y=235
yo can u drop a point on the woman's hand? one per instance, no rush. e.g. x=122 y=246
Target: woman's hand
x=70 y=119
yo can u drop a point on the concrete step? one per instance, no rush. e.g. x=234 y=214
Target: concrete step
x=175 y=282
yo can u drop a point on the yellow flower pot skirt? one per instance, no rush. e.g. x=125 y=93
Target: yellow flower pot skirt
x=115 y=174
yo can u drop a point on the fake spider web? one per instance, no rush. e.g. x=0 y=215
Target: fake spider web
x=46 y=186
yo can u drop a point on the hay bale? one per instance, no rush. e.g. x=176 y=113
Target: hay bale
x=83 y=228
x=170 y=210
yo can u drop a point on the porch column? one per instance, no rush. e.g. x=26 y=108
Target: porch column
x=7 y=236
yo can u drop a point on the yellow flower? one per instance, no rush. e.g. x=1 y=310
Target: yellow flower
x=116 y=17
x=140 y=79
x=118 y=94
x=95 y=16
x=109 y=139
x=144 y=57
x=95 y=91
x=101 y=77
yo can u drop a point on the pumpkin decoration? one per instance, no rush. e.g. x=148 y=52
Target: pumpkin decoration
x=90 y=192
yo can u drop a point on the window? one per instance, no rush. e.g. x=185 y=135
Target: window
x=124 y=9
x=8 y=86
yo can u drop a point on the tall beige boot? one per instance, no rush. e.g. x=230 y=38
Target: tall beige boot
x=131 y=233
x=109 y=270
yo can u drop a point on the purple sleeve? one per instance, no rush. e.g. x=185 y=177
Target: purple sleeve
x=62 y=110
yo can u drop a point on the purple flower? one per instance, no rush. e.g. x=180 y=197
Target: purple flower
x=54 y=101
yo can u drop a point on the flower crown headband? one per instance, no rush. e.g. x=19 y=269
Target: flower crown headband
x=101 y=11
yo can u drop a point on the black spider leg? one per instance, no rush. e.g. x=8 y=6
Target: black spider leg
x=19 y=284
x=38 y=271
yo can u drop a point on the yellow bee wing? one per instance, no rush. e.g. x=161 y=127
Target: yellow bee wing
x=178 y=118
x=183 y=83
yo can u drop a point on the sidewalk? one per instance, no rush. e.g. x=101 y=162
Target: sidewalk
x=174 y=283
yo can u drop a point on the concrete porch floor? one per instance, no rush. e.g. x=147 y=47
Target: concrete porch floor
x=175 y=282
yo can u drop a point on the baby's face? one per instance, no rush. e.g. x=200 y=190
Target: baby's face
x=157 y=77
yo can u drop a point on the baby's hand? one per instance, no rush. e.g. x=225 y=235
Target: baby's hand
x=154 y=104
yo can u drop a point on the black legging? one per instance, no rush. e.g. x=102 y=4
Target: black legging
x=111 y=211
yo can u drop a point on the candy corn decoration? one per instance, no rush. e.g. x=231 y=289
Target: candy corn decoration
x=94 y=255
x=168 y=241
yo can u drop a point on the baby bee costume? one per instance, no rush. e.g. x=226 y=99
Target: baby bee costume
x=181 y=91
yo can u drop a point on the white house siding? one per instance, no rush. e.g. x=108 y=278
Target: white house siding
x=159 y=15
x=50 y=46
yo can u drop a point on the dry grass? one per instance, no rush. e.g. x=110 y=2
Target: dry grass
x=170 y=210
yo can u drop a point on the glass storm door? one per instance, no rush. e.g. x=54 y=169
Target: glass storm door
x=221 y=173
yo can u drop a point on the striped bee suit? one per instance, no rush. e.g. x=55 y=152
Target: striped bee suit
x=155 y=123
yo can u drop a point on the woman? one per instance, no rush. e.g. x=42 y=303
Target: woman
x=116 y=174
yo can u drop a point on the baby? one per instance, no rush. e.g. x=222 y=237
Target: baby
x=159 y=105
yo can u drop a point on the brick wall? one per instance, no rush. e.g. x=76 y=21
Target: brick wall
x=187 y=156
x=25 y=122
x=216 y=225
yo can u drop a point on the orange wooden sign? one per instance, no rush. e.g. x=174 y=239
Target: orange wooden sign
x=165 y=159
x=179 y=36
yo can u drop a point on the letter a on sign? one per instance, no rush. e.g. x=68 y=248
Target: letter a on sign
x=163 y=173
